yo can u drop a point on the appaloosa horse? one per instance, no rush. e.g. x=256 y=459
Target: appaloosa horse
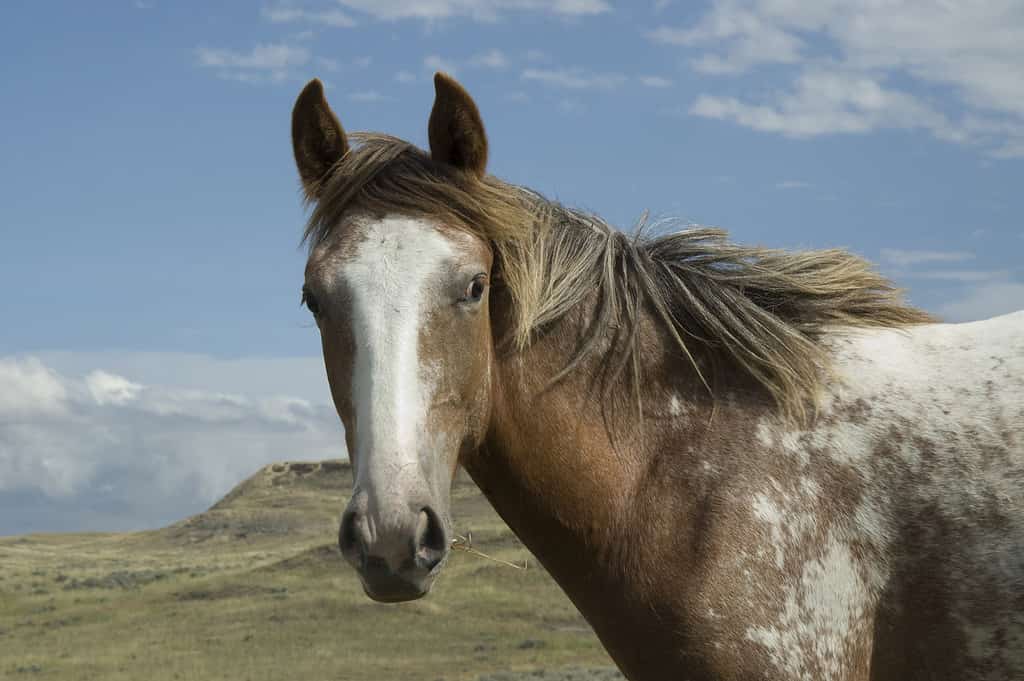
x=739 y=463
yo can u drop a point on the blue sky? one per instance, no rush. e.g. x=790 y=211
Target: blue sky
x=149 y=257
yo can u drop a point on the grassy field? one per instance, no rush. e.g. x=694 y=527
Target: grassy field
x=255 y=589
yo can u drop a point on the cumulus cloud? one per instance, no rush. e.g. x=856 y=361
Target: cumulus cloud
x=368 y=97
x=478 y=10
x=30 y=386
x=904 y=258
x=491 y=59
x=982 y=302
x=152 y=452
x=655 y=81
x=434 y=62
x=963 y=276
x=270 y=62
x=332 y=18
x=828 y=102
x=575 y=78
x=971 y=53
x=980 y=293
x=266 y=57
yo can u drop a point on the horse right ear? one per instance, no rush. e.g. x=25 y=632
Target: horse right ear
x=318 y=140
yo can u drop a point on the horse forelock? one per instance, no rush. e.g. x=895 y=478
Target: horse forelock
x=761 y=310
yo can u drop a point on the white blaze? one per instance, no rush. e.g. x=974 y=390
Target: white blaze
x=392 y=277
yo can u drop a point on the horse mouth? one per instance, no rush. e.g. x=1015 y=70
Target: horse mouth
x=398 y=591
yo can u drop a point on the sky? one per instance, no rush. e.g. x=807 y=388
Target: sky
x=153 y=352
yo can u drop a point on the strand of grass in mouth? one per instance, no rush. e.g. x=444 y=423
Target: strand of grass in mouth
x=465 y=544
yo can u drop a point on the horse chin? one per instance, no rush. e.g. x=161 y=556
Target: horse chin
x=398 y=594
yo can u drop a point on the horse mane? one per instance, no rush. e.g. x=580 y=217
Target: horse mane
x=763 y=310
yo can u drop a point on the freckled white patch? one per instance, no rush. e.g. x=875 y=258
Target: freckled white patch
x=871 y=524
x=821 y=615
x=392 y=277
x=917 y=435
x=809 y=487
x=793 y=442
x=791 y=517
x=766 y=511
x=675 y=406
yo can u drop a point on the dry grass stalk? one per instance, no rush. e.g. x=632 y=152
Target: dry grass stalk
x=465 y=543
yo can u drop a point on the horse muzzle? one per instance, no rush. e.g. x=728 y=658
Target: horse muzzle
x=398 y=554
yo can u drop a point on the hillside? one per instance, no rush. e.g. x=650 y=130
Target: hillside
x=254 y=588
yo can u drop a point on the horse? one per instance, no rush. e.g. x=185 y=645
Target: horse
x=738 y=462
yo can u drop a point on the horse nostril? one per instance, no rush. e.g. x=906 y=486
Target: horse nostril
x=352 y=545
x=431 y=539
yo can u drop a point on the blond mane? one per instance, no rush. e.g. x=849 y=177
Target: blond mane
x=764 y=310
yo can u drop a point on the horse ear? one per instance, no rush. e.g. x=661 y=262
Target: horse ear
x=456 y=130
x=318 y=140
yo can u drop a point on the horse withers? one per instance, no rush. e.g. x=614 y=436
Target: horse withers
x=739 y=463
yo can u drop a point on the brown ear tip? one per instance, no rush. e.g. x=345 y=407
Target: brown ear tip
x=442 y=81
x=313 y=87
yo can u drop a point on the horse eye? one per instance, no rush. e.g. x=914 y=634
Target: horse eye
x=476 y=288
x=310 y=302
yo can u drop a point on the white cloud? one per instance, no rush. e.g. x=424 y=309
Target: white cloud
x=904 y=258
x=828 y=102
x=368 y=97
x=435 y=62
x=655 y=81
x=478 y=10
x=492 y=59
x=111 y=389
x=333 y=18
x=255 y=377
x=575 y=79
x=985 y=301
x=405 y=77
x=146 y=449
x=264 y=62
x=30 y=386
x=964 y=276
x=331 y=65
x=972 y=53
x=261 y=57
x=792 y=184
x=536 y=55
x=753 y=40
x=334 y=65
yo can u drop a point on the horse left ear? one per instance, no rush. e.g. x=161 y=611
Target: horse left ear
x=456 y=130
x=318 y=140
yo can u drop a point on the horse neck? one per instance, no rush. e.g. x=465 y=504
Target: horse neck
x=570 y=472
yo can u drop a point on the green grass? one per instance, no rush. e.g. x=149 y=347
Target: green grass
x=255 y=589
